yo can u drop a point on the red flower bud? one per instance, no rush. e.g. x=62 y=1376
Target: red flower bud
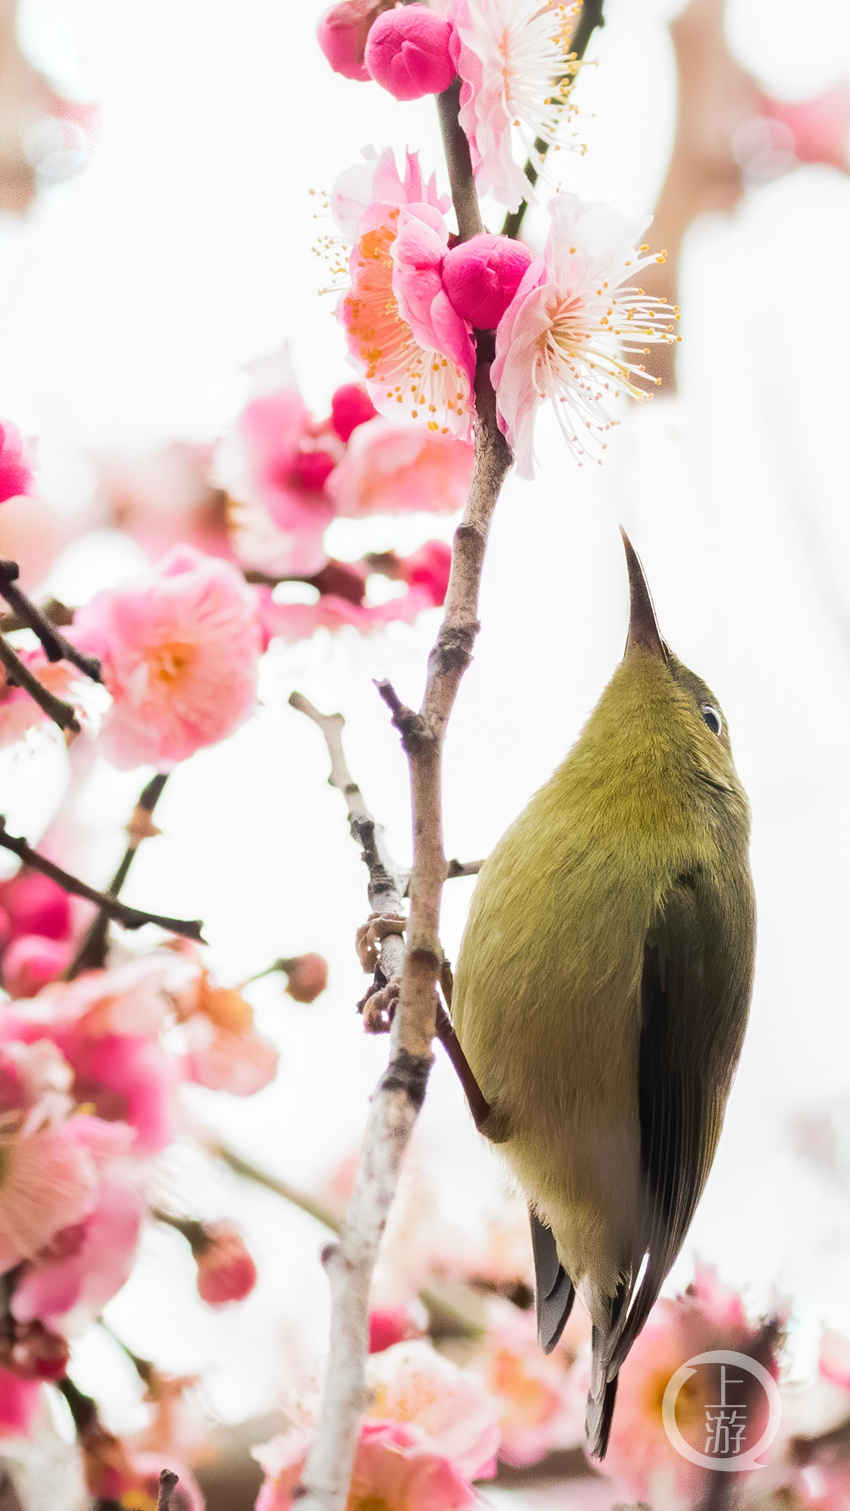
x=226 y=1271
x=342 y=34
x=482 y=275
x=389 y=1325
x=407 y=52
x=350 y=407
x=36 y=905
x=31 y=961
x=308 y=976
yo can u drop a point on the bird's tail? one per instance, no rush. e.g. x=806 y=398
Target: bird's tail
x=600 y=1401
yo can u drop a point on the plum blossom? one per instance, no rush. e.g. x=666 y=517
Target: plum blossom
x=414 y=1385
x=16 y=475
x=393 y=469
x=514 y=60
x=394 y=1470
x=19 y=713
x=539 y=1401
x=179 y=649
x=640 y=1455
x=163 y=497
x=407 y=52
x=572 y=329
x=223 y=1049
x=412 y=347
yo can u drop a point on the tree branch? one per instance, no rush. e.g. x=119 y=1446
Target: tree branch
x=19 y=673
x=243 y=1167
x=56 y=647
x=167 y=1485
x=92 y=951
x=401 y=1090
x=130 y=918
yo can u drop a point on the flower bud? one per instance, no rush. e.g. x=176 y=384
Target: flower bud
x=342 y=34
x=481 y=276
x=31 y=961
x=389 y=1325
x=350 y=407
x=407 y=52
x=226 y=1271
x=37 y=905
x=308 y=977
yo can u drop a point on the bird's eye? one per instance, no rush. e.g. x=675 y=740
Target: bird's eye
x=712 y=717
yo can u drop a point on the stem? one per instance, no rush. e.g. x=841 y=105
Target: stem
x=401 y=1089
x=243 y=1167
x=130 y=918
x=167 y=1485
x=591 y=17
x=56 y=647
x=54 y=611
x=60 y=712
x=92 y=951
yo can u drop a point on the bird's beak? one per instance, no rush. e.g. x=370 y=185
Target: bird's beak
x=643 y=625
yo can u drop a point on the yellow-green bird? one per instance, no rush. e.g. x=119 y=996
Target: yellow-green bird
x=602 y=991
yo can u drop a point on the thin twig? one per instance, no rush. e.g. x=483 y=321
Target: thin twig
x=130 y=918
x=54 y=611
x=248 y=1171
x=56 y=647
x=17 y=672
x=401 y=1090
x=92 y=951
x=591 y=17
x=168 y=1481
x=462 y=868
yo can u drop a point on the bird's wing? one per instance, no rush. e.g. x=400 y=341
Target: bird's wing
x=684 y=1074
x=554 y=1293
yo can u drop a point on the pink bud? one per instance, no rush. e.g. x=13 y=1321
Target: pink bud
x=407 y=52
x=482 y=275
x=311 y=469
x=308 y=977
x=389 y=1325
x=31 y=961
x=37 y=905
x=350 y=407
x=428 y=568
x=226 y=1271
x=342 y=34
x=15 y=472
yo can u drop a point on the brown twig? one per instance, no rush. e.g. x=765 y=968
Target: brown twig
x=92 y=951
x=591 y=17
x=130 y=918
x=401 y=1090
x=248 y=1171
x=56 y=647
x=168 y=1481
x=54 y=611
x=462 y=868
x=18 y=673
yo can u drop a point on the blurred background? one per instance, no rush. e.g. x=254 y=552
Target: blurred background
x=145 y=259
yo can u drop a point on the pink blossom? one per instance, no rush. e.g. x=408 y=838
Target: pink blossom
x=19 y=713
x=179 y=649
x=407 y=52
x=429 y=568
x=430 y=372
x=48 y=1181
x=820 y=128
x=394 y=469
x=416 y=1386
x=572 y=329
x=389 y=1325
x=19 y=1400
x=514 y=59
x=31 y=961
x=240 y=1063
x=127 y=1078
x=481 y=276
x=540 y=1405
x=393 y=1468
x=342 y=35
x=226 y=1271
x=274 y=462
x=32 y=534
x=350 y=407
x=16 y=476
x=36 y=905
x=165 y=497
x=640 y=1456
x=86 y=1264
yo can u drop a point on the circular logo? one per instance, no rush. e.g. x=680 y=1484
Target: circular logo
x=726 y=1419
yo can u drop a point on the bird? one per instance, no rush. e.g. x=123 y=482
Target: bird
x=602 y=990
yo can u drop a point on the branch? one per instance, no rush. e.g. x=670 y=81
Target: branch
x=56 y=647
x=243 y=1167
x=591 y=17
x=130 y=918
x=462 y=868
x=17 y=672
x=54 y=611
x=92 y=951
x=401 y=1090
x=167 y=1485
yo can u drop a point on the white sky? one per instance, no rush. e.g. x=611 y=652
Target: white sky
x=130 y=300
